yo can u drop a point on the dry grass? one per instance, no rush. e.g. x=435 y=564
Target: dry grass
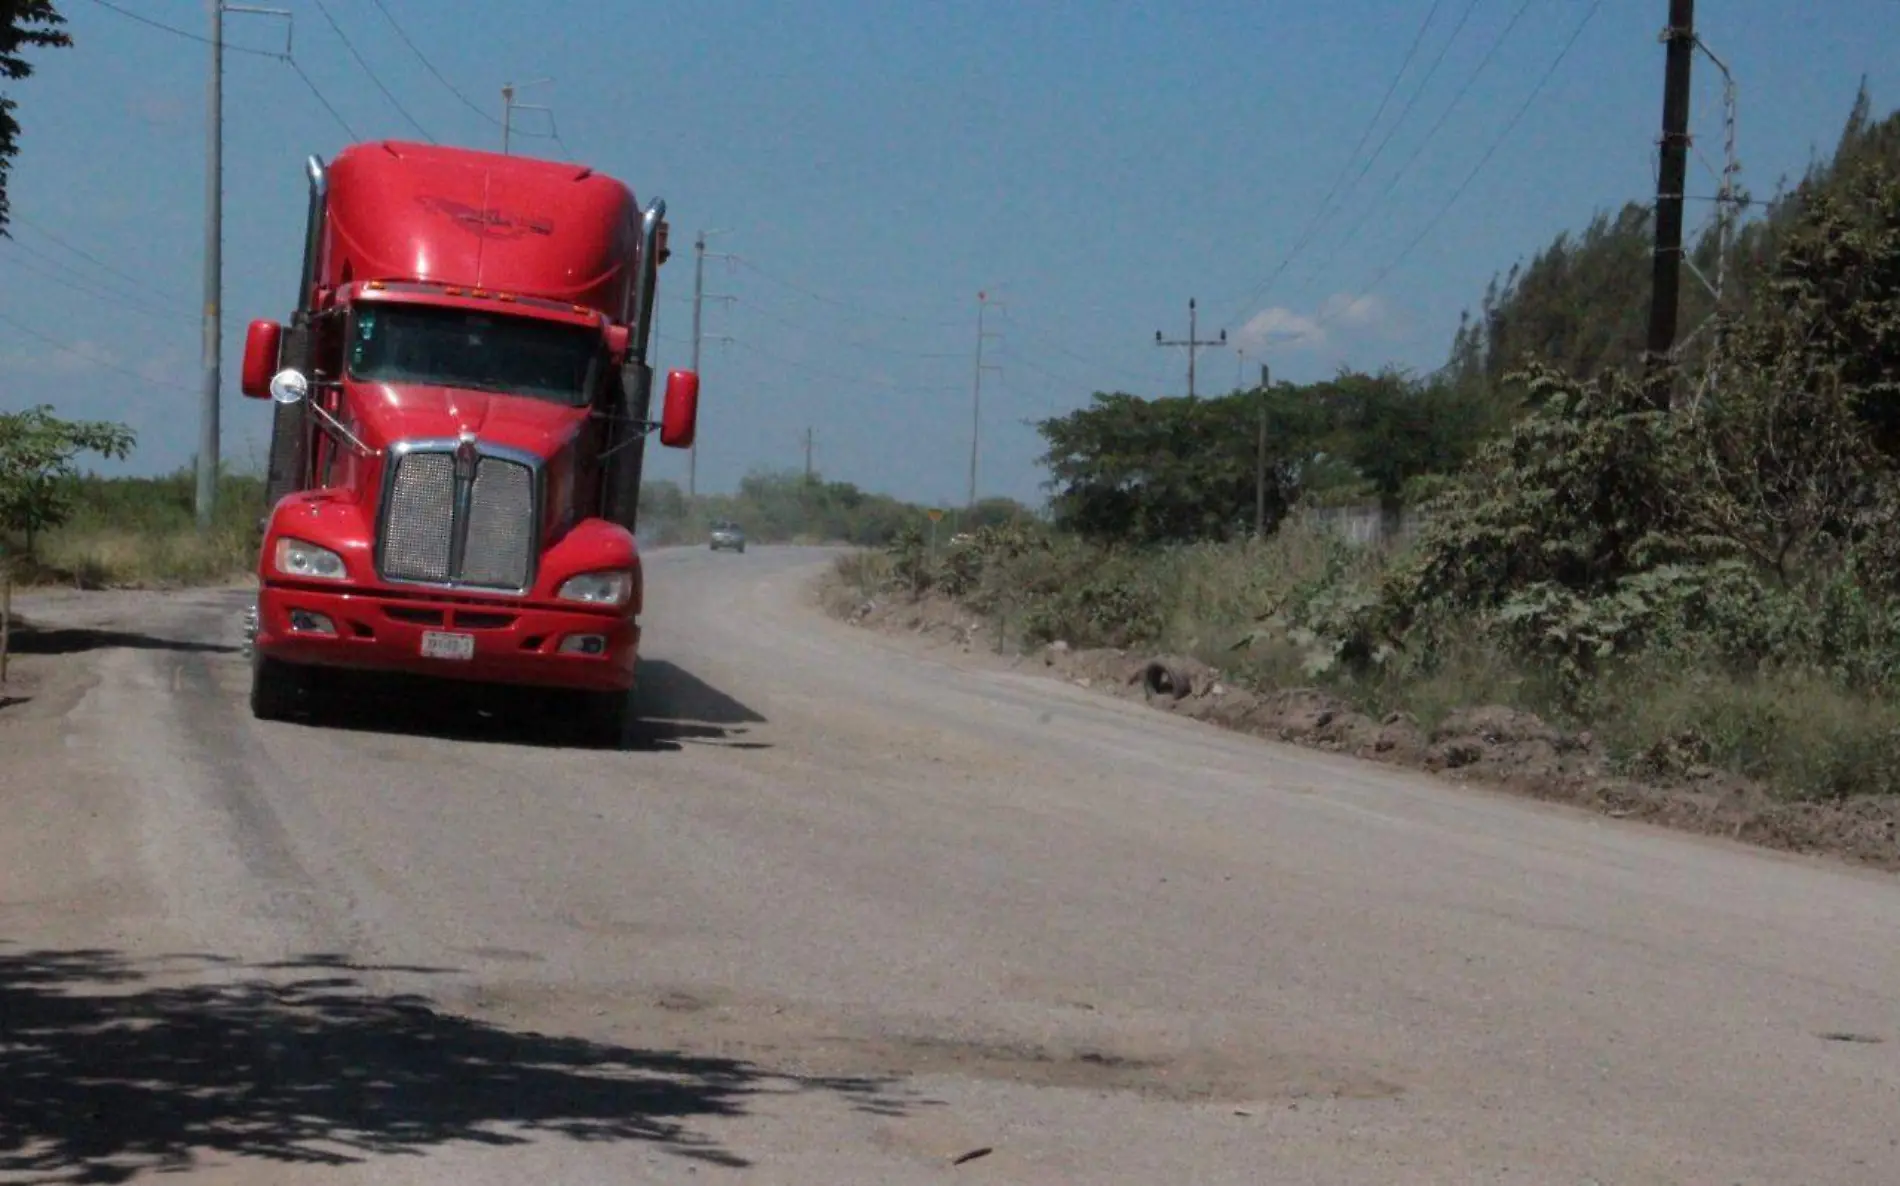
x=106 y=557
x=1796 y=732
x=858 y=577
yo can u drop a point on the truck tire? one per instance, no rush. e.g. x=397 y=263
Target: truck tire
x=603 y=718
x=277 y=688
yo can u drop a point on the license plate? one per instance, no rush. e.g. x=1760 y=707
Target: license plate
x=437 y=644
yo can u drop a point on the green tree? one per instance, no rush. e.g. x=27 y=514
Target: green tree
x=1804 y=427
x=38 y=481
x=1581 y=304
x=23 y=24
x=1176 y=469
x=1392 y=428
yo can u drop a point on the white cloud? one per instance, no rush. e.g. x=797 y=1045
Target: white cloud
x=1280 y=329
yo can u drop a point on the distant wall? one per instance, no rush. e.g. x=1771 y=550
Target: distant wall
x=1362 y=525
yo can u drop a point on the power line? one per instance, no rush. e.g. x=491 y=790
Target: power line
x=178 y=32
x=286 y=58
x=1411 y=104
x=867 y=347
x=55 y=273
x=743 y=262
x=94 y=260
x=858 y=380
x=1320 y=213
x=1452 y=201
x=1393 y=182
x=347 y=44
x=477 y=108
x=76 y=352
x=327 y=105
x=1418 y=93
x=1057 y=347
x=1430 y=73
x=552 y=134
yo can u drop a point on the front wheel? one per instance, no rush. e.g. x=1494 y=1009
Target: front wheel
x=603 y=719
x=277 y=688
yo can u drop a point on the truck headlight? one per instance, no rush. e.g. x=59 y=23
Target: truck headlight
x=598 y=588
x=299 y=558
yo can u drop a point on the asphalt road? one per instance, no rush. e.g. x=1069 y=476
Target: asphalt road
x=851 y=911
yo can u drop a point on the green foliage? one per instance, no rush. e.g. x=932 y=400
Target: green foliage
x=38 y=478
x=789 y=507
x=1164 y=470
x=1583 y=491
x=24 y=24
x=1174 y=470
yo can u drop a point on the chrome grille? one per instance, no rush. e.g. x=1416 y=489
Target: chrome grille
x=497 y=526
x=419 y=529
x=500 y=546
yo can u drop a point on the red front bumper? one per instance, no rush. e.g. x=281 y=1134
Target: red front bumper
x=513 y=644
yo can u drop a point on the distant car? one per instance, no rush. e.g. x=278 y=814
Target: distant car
x=728 y=536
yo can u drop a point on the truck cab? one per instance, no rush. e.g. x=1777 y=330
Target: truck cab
x=460 y=408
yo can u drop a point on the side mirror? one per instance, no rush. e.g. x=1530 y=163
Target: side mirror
x=262 y=342
x=680 y=416
x=617 y=339
x=289 y=386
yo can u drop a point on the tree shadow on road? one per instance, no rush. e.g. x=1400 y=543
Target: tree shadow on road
x=110 y=1069
x=672 y=708
x=28 y=639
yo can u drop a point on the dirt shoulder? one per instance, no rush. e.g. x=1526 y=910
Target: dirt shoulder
x=1492 y=746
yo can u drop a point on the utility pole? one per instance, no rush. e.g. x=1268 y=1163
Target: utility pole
x=1671 y=179
x=1260 y=463
x=976 y=396
x=211 y=349
x=699 y=297
x=1193 y=343
x=509 y=107
x=208 y=428
x=808 y=455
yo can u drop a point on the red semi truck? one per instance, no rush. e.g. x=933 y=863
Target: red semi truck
x=461 y=406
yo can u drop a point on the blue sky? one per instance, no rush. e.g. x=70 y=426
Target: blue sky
x=875 y=166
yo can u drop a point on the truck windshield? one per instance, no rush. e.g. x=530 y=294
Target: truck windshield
x=442 y=347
